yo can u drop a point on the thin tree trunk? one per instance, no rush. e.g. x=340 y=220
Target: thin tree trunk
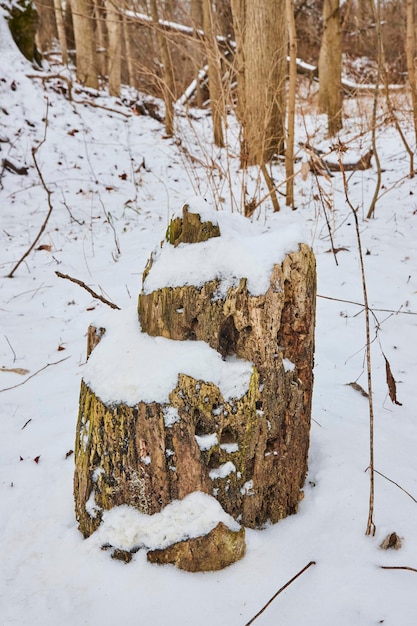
x=114 y=49
x=215 y=86
x=411 y=57
x=168 y=77
x=289 y=152
x=61 y=31
x=128 y=51
x=99 y=19
x=330 y=67
x=196 y=14
x=85 y=43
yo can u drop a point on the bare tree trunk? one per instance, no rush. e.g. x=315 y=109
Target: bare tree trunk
x=289 y=151
x=114 y=49
x=47 y=26
x=411 y=57
x=168 y=77
x=99 y=18
x=261 y=38
x=128 y=51
x=196 y=14
x=215 y=86
x=330 y=67
x=85 y=43
x=239 y=20
x=61 y=31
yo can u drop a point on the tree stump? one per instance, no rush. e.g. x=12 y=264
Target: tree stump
x=247 y=447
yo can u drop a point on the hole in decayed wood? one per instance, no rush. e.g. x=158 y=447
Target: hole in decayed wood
x=227 y=436
x=214 y=461
x=191 y=334
x=228 y=336
x=272 y=446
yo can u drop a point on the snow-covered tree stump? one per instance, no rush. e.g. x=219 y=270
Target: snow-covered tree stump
x=210 y=388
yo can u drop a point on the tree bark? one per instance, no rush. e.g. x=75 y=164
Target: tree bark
x=330 y=67
x=261 y=39
x=85 y=46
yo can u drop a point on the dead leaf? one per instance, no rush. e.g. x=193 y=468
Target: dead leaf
x=36 y=459
x=357 y=387
x=69 y=453
x=15 y=370
x=44 y=246
x=73 y=132
x=391 y=541
x=123 y=176
x=61 y=347
x=392 y=385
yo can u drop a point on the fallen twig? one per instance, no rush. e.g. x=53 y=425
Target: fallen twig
x=410 y=569
x=15 y=169
x=90 y=291
x=396 y=484
x=287 y=584
x=361 y=304
x=34 y=374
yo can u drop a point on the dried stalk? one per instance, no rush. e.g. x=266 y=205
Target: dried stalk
x=34 y=374
x=370 y=526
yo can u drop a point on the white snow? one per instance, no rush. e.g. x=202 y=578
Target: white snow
x=205 y=442
x=171 y=416
x=125 y=528
x=228 y=258
x=130 y=366
x=50 y=575
x=222 y=471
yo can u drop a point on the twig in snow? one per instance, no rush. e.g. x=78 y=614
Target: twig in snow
x=90 y=291
x=363 y=306
x=287 y=584
x=34 y=374
x=406 y=567
x=48 y=194
x=11 y=348
x=396 y=484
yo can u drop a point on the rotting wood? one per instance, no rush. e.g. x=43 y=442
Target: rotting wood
x=256 y=463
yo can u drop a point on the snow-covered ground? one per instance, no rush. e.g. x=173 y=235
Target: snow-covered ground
x=115 y=180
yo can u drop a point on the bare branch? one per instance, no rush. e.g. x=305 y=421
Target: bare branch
x=90 y=291
x=34 y=374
